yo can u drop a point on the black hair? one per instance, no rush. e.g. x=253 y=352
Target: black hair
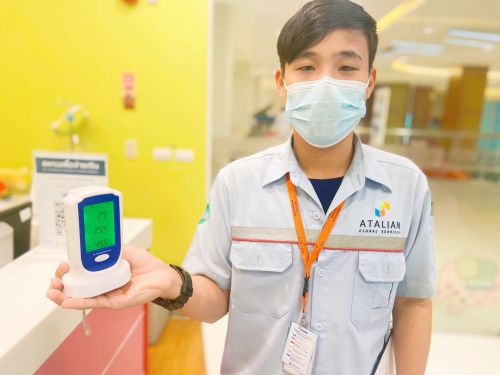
x=319 y=18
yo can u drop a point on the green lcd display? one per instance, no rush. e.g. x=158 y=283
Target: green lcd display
x=99 y=225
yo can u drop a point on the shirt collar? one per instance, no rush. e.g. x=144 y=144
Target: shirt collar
x=280 y=163
x=364 y=165
x=372 y=167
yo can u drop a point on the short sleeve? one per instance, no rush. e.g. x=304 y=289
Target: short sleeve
x=419 y=252
x=208 y=254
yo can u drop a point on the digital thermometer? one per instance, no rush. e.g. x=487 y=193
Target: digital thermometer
x=94 y=217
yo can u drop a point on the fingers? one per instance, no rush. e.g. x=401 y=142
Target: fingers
x=56 y=283
x=79 y=303
x=62 y=269
x=128 y=252
x=98 y=302
x=56 y=296
x=126 y=248
x=65 y=302
x=55 y=292
x=133 y=254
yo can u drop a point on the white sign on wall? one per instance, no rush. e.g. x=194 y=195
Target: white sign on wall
x=57 y=173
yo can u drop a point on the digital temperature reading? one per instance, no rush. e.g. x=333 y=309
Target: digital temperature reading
x=99 y=224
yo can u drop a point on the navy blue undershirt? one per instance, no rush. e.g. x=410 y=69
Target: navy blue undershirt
x=326 y=190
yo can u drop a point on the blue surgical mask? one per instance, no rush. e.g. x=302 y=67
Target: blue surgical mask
x=325 y=111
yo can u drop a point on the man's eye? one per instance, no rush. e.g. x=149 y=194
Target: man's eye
x=309 y=67
x=346 y=68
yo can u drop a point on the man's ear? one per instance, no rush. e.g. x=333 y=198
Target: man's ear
x=279 y=76
x=371 y=84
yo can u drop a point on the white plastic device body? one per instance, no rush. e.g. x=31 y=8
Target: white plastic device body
x=89 y=276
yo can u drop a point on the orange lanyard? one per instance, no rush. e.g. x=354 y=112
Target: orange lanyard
x=301 y=236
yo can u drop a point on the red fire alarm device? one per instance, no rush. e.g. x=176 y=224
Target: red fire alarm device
x=128 y=90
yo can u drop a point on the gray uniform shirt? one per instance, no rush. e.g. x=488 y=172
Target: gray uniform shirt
x=381 y=247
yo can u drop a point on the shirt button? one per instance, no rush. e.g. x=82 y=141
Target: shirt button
x=321 y=272
x=319 y=326
x=316 y=216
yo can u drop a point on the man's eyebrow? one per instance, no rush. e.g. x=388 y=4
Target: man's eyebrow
x=349 y=54
x=307 y=55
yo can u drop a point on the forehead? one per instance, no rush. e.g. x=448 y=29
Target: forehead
x=340 y=40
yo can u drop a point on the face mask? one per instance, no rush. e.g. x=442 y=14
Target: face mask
x=325 y=111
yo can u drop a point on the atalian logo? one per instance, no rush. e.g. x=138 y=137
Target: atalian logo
x=380 y=226
x=206 y=215
x=380 y=212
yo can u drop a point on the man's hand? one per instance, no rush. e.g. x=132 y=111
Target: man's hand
x=412 y=334
x=151 y=278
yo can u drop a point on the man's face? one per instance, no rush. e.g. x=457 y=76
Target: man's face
x=342 y=54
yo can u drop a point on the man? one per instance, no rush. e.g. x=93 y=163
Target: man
x=253 y=255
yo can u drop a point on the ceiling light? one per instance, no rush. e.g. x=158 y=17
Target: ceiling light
x=492 y=93
x=416 y=48
x=400 y=11
x=474 y=35
x=421 y=70
x=470 y=43
x=435 y=72
x=493 y=75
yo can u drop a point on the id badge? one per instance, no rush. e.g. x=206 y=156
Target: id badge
x=300 y=348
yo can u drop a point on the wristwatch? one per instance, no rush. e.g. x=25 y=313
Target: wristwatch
x=186 y=292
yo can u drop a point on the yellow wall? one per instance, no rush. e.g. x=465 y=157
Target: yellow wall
x=79 y=50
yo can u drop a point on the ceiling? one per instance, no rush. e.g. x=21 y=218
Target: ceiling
x=256 y=26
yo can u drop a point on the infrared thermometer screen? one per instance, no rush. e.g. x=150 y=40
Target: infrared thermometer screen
x=99 y=226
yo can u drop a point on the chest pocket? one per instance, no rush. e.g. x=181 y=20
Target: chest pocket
x=261 y=277
x=375 y=285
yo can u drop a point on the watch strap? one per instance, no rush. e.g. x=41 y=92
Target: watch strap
x=186 y=292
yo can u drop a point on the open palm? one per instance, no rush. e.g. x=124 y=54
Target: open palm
x=150 y=276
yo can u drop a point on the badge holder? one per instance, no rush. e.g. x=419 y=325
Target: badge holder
x=300 y=350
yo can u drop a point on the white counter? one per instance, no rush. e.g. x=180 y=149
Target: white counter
x=13 y=201
x=32 y=326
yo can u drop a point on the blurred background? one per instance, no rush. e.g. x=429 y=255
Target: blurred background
x=173 y=90
x=437 y=102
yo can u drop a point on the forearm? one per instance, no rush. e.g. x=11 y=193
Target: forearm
x=208 y=303
x=412 y=334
